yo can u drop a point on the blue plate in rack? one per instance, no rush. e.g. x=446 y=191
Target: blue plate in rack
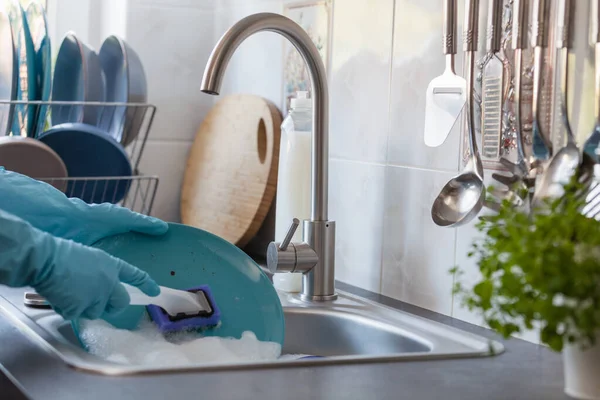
x=24 y=117
x=125 y=83
x=89 y=152
x=38 y=27
x=78 y=77
x=8 y=74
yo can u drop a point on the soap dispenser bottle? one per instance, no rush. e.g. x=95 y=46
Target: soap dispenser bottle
x=293 y=181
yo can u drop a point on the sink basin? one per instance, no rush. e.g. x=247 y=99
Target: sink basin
x=350 y=329
x=339 y=333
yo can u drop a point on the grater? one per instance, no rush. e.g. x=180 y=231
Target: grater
x=492 y=86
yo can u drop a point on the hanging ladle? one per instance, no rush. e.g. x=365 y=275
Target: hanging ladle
x=567 y=161
x=462 y=197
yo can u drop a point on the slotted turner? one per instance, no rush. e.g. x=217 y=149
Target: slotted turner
x=446 y=94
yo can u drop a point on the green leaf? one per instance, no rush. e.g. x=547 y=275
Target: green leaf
x=541 y=268
x=484 y=290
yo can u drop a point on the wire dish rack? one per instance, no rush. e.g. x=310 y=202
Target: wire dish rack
x=139 y=197
x=127 y=123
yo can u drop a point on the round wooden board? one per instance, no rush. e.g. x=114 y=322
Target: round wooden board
x=231 y=174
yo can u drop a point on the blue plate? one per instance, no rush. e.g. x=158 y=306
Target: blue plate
x=125 y=83
x=24 y=118
x=185 y=257
x=112 y=59
x=8 y=73
x=38 y=27
x=78 y=77
x=88 y=151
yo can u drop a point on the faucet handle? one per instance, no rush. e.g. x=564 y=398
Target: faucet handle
x=288 y=236
x=290 y=257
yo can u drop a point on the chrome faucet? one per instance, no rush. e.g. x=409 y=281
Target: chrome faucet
x=314 y=257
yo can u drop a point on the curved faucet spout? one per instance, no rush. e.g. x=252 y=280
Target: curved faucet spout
x=215 y=69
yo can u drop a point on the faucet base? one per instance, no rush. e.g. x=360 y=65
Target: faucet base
x=318 y=284
x=309 y=298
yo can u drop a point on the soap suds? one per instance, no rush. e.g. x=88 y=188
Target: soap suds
x=147 y=346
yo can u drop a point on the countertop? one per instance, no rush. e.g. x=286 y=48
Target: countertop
x=523 y=371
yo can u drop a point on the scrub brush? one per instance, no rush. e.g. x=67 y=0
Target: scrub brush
x=175 y=310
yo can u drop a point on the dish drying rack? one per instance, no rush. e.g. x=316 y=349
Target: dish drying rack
x=139 y=117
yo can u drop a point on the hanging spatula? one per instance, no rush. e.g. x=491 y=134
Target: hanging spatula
x=446 y=94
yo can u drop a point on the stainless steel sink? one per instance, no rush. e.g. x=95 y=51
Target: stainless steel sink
x=338 y=333
x=350 y=329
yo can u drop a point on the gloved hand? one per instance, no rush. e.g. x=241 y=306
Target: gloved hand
x=48 y=209
x=77 y=280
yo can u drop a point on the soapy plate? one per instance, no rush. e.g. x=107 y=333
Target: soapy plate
x=186 y=257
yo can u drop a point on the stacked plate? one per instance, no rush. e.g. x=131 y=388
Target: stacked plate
x=25 y=55
x=84 y=129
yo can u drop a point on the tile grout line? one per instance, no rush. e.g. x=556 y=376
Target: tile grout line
x=175 y=140
x=445 y=171
x=349 y=160
x=387 y=143
x=385 y=164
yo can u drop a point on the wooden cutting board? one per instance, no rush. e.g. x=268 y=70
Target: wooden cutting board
x=231 y=174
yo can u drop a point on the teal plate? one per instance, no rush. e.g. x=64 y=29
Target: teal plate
x=26 y=74
x=186 y=257
x=38 y=28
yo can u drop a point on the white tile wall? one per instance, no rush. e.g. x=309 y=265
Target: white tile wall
x=360 y=79
x=382 y=176
x=173 y=44
x=167 y=160
x=173 y=40
x=356 y=201
x=417 y=254
x=464 y=239
x=415 y=64
x=91 y=20
x=257 y=65
x=207 y=5
x=69 y=15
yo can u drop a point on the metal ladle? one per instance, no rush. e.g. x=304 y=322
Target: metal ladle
x=567 y=160
x=462 y=197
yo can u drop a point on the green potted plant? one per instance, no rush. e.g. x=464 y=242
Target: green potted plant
x=542 y=269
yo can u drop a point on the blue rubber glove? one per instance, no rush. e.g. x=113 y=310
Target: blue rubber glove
x=50 y=210
x=77 y=280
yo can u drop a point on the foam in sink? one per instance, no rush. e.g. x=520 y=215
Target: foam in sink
x=149 y=347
